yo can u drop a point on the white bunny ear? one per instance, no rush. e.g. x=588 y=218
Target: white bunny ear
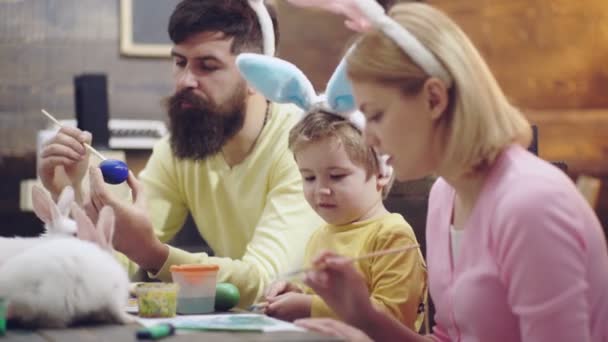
x=103 y=234
x=277 y=79
x=357 y=119
x=85 y=228
x=363 y=15
x=339 y=91
x=43 y=204
x=105 y=226
x=265 y=25
x=66 y=198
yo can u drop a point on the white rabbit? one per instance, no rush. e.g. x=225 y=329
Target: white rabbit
x=56 y=220
x=66 y=280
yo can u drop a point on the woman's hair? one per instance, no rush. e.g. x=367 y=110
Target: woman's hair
x=319 y=124
x=479 y=121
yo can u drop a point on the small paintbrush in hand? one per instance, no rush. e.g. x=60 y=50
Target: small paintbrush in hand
x=352 y=259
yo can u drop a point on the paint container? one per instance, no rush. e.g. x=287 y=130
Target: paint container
x=156 y=299
x=197 y=288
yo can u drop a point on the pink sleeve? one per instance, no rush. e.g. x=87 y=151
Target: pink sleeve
x=540 y=252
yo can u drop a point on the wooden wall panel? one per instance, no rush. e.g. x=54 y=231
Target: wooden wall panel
x=577 y=137
x=313 y=40
x=545 y=54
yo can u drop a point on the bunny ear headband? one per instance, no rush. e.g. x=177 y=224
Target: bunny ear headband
x=362 y=15
x=265 y=24
x=282 y=82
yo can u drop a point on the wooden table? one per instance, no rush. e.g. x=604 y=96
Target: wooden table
x=119 y=333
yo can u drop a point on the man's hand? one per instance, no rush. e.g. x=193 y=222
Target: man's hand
x=289 y=306
x=64 y=160
x=134 y=234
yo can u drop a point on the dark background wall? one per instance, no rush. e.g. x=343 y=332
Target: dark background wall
x=44 y=43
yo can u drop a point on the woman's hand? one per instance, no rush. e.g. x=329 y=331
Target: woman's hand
x=337 y=281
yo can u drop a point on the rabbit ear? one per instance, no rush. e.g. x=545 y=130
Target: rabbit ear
x=105 y=226
x=277 y=79
x=66 y=198
x=103 y=234
x=43 y=204
x=358 y=119
x=339 y=90
x=265 y=25
x=356 y=19
x=85 y=228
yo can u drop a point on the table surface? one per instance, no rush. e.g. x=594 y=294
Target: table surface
x=118 y=333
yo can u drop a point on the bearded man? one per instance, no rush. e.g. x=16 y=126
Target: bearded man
x=226 y=162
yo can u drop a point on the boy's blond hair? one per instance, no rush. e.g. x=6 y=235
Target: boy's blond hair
x=319 y=124
x=479 y=121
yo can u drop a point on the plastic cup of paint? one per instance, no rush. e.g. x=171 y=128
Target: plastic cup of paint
x=3 y=313
x=197 y=288
x=155 y=300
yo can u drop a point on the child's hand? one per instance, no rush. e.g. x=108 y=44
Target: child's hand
x=289 y=306
x=280 y=287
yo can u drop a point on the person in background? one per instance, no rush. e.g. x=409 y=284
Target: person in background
x=226 y=160
x=514 y=252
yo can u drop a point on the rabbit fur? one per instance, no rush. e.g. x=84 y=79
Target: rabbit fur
x=62 y=280
x=56 y=220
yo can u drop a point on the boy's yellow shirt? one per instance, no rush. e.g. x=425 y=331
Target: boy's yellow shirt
x=254 y=215
x=397 y=282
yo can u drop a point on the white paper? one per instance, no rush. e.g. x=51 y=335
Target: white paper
x=232 y=322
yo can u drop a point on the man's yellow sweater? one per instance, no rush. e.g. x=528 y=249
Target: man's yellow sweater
x=253 y=215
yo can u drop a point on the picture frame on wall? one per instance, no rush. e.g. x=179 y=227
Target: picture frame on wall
x=143 y=28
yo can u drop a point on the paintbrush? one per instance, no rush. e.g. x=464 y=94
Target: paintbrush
x=264 y=304
x=352 y=259
x=56 y=122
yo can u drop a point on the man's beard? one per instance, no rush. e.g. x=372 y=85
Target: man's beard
x=202 y=129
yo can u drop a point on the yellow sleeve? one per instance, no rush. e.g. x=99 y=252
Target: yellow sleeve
x=277 y=243
x=318 y=308
x=167 y=210
x=398 y=281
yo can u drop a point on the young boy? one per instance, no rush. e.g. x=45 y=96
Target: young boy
x=342 y=183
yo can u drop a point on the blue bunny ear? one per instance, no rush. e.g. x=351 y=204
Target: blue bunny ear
x=339 y=91
x=277 y=79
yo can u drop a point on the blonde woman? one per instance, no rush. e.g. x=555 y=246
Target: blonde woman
x=514 y=252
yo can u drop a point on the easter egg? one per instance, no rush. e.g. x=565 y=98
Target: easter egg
x=227 y=296
x=114 y=171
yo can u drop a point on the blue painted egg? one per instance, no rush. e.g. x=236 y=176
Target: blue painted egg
x=114 y=171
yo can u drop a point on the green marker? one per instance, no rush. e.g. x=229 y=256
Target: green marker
x=3 y=309
x=155 y=332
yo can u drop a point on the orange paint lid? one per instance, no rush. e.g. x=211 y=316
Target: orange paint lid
x=194 y=268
